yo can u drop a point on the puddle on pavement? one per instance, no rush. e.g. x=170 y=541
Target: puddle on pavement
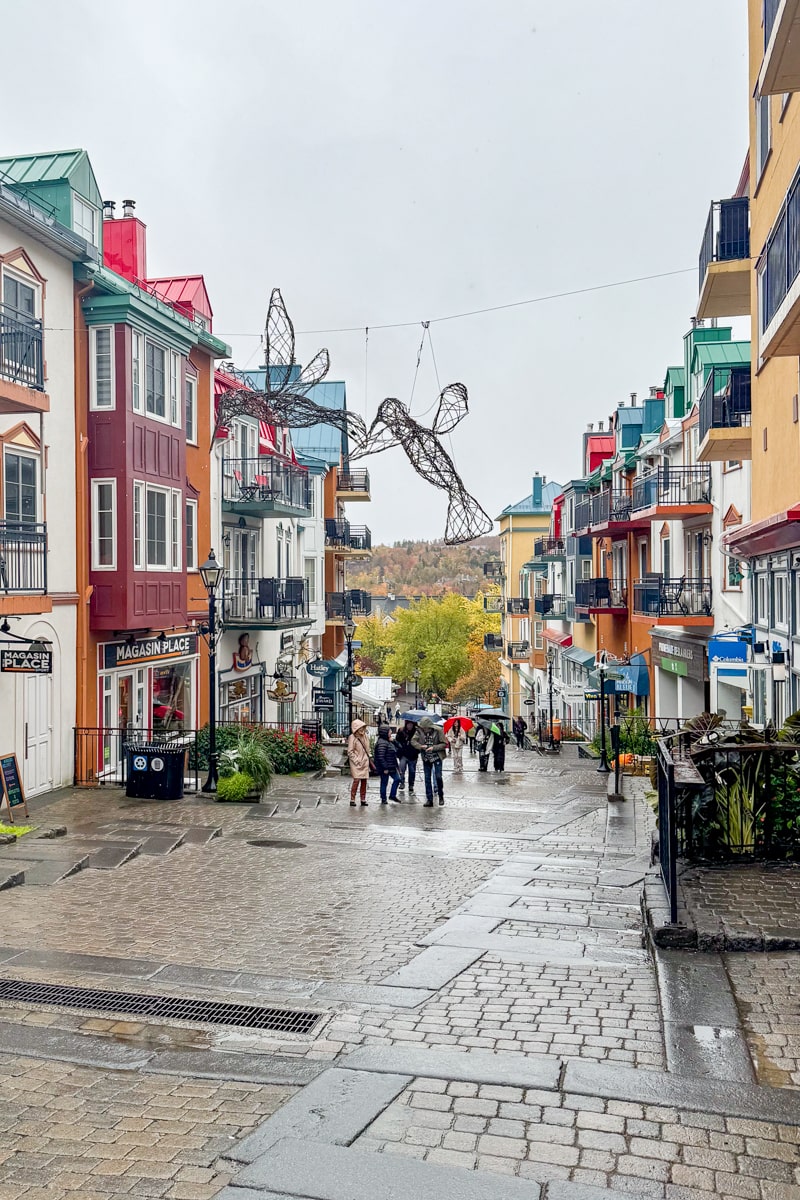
x=166 y=1037
x=276 y=844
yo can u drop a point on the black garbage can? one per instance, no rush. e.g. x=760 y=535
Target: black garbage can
x=155 y=770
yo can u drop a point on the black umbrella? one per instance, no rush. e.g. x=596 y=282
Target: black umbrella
x=493 y=714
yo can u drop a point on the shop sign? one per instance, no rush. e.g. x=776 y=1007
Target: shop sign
x=117 y=654
x=591 y=695
x=674 y=666
x=684 y=658
x=318 y=668
x=727 y=650
x=322 y=701
x=40 y=662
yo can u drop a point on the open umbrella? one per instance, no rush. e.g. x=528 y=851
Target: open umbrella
x=418 y=715
x=494 y=714
x=466 y=724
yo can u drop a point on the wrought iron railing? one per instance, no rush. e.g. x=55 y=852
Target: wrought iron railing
x=342 y=535
x=493 y=569
x=780 y=263
x=727 y=233
x=21 y=356
x=23 y=557
x=270 y=601
x=493 y=604
x=352 y=481
x=550 y=547
x=550 y=605
x=518 y=650
x=601 y=592
x=353 y=603
x=725 y=400
x=672 y=486
x=493 y=641
x=583 y=513
x=265 y=480
x=517 y=606
x=672 y=596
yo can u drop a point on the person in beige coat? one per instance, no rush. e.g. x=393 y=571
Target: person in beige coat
x=358 y=757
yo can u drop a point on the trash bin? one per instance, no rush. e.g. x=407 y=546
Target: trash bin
x=155 y=770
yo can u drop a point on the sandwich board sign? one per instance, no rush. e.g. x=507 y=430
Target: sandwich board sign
x=13 y=794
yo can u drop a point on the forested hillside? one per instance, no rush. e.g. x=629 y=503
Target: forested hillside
x=424 y=568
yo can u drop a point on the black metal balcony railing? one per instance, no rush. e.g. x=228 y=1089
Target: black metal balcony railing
x=269 y=601
x=493 y=569
x=781 y=258
x=493 y=641
x=550 y=605
x=727 y=233
x=21 y=357
x=352 y=481
x=354 y=603
x=601 y=592
x=725 y=400
x=265 y=480
x=517 y=606
x=493 y=604
x=770 y=13
x=23 y=557
x=517 y=650
x=672 y=486
x=583 y=513
x=667 y=596
x=343 y=535
x=550 y=547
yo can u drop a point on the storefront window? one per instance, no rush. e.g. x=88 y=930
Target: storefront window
x=240 y=700
x=172 y=697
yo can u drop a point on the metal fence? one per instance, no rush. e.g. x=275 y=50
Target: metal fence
x=250 y=599
x=782 y=256
x=23 y=557
x=21 y=358
x=667 y=596
x=601 y=593
x=265 y=481
x=668 y=485
x=727 y=233
x=352 y=481
x=725 y=400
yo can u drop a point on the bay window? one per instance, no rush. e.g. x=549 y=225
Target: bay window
x=155 y=376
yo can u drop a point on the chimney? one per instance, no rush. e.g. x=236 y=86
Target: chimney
x=537 y=490
x=633 y=399
x=620 y=404
x=655 y=391
x=600 y=426
x=124 y=242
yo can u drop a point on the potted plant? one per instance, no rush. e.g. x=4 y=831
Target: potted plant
x=245 y=770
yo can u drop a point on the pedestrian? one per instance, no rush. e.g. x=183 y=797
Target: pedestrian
x=358 y=757
x=482 y=740
x=499 y=739
x=386 y=764
x=456 y=740
x=520 y=727
x=407 y=756
x=429 y=740
x=397 y=714
x=471 y=734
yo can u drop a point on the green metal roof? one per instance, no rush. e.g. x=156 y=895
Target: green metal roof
x=675 y=378
x=715 y=354
x=52 y=166
x=593 y=480
x=606 y=470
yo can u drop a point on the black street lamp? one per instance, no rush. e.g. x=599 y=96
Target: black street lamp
x=604 y=768
x=349 y=633
x=211 y=575
x=550 y=657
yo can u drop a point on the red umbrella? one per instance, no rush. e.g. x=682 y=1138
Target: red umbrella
x=466 y=724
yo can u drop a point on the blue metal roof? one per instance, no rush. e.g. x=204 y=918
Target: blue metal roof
x=319 y=441
x=526 y=507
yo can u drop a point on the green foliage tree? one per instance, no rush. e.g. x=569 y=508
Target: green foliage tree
x=376 y=645
x=432 y=636
x=481 y=682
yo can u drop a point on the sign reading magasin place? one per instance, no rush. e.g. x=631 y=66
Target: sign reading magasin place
x=40 y=662
x=118 y=654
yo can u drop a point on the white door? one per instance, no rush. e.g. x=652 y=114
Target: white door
x=38 y=768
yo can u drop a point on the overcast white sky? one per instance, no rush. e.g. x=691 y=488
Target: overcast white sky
x=389 y=162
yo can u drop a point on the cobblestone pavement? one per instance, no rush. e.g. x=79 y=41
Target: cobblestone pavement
x=504 y=926
x=743 y=906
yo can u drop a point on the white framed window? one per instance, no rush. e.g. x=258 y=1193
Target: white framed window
x=138 y=526
x=155 y=380
x=310 y=575
x=21 y=295
x=780 y=592
x=176 y=533
x=174 y=388
x=191 y=409
x=191 y=535
x=156 y=504
x=21 y=490
x=763 y=134
x=104 y=524
x=762 y=600
x=538 y=641
x=586 y=568
x=84 y=219
x=137 y=370
x=101 y=363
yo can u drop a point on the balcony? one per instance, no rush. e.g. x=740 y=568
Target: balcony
x=673 y=493
x=518 y=606
x=493 y=569
x=550 y=607
x=252 y=603
x=549 y=549
x=346 y=540
x=493 y=641
x=21 y=363
x=255 y=487
x=341 y=605
x=725 y=415
x=725 y=260
x=780 y=68
x=352 y=486
x=602 y=595
x=518 y=651
x=23 y=559
x=779 y=281
x=607 y=513
x=493 y=604
x=673 y=601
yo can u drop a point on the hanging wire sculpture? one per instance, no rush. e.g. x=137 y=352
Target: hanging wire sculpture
x=285 y=400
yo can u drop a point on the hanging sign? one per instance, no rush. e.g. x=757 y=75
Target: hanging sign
x=39 y=662
x=13 y=793
x=322 y=701
x=318 y=668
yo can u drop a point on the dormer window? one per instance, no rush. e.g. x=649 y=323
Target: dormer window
x=84 y=219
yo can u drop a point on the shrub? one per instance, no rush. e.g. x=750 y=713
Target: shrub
x=287 y=751
x=236 y=787
x=249 y=756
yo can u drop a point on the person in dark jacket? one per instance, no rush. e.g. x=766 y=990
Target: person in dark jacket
x=386 y=764
x=499 y=739
x=482 y=737
x=407 y=754
x=520 y=727
x=429 y=740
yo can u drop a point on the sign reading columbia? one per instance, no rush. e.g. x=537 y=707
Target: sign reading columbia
x=116 y=654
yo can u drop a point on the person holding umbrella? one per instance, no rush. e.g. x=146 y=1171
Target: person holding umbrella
x=407 y=755
x=483 y=742
x=429 y=741
x=455 y=731
x=499 y=739
x=386 y=764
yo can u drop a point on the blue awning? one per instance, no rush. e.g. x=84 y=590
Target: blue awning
x=633 y=677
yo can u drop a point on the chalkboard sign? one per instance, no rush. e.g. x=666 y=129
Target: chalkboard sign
x=13 y=793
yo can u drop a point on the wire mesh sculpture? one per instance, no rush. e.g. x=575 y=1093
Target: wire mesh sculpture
x=285 y=400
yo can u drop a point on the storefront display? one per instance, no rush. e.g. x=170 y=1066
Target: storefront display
x=149 y=683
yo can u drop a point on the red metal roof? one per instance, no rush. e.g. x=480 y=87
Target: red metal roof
x=778 y=532
x=599 y=447
x=558 y=639
x=186 y=292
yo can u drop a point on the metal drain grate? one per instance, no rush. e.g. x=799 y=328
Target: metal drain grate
x=175 y=1007
x=278 y=843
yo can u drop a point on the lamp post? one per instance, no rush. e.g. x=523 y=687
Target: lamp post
x=550 y=657
x=604 y=768
x=349 y=633
x=211 y=575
